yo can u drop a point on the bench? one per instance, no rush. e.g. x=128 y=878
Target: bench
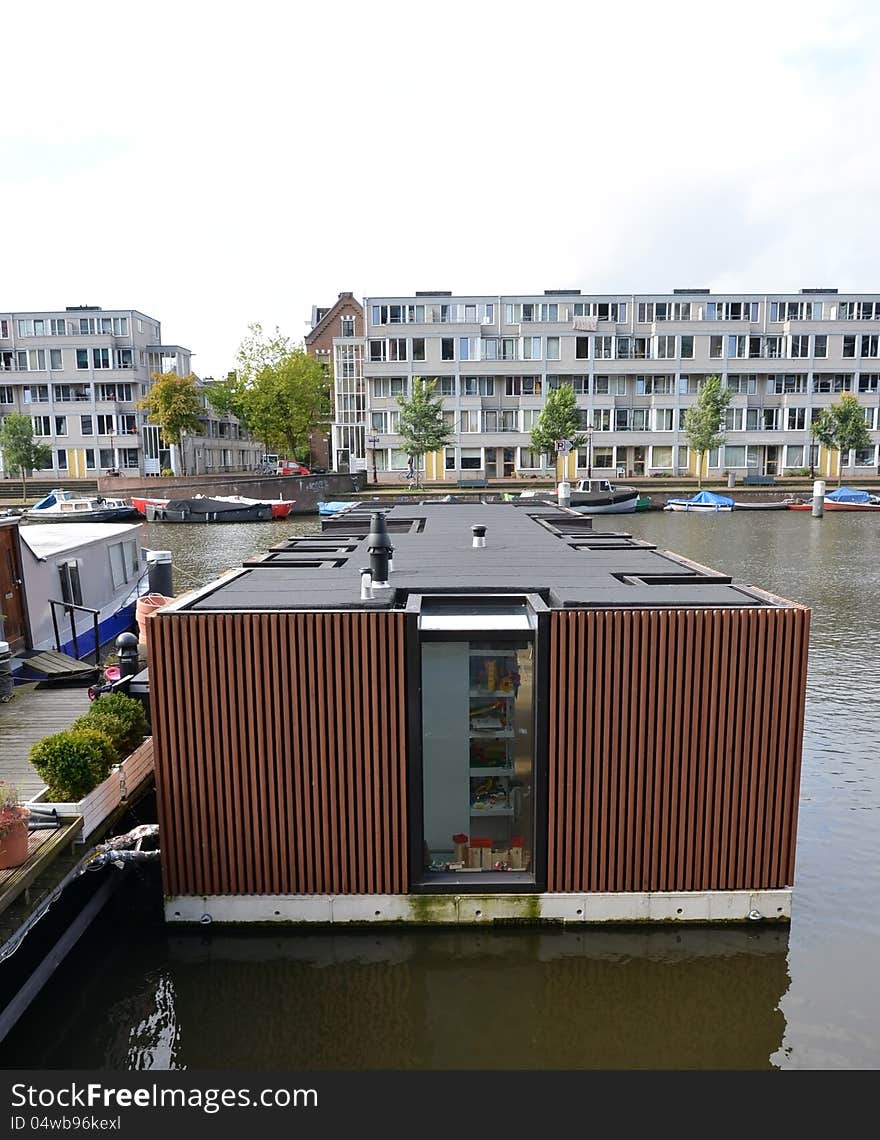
x=759 y=481
x=473 y=483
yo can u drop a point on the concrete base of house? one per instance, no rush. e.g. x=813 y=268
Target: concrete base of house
x=476 y=910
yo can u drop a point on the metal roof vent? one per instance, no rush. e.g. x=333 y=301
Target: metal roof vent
x=379 y=548
x=479 y=533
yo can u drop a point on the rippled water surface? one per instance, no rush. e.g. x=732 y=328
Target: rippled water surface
x=136 y=996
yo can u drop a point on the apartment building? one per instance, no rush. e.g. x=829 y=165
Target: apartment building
x=636 y=363
x=79 y=372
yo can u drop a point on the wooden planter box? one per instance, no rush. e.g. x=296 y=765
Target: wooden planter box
x=101 y=801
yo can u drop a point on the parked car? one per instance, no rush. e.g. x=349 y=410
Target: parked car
x=291 y=467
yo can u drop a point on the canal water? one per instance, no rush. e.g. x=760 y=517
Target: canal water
x=135 y=995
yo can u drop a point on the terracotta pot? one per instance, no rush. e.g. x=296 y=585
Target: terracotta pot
x=14 y=845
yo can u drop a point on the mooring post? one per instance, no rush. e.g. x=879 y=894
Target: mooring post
x=818 y=498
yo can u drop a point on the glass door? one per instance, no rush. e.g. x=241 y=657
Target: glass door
x=478 y=758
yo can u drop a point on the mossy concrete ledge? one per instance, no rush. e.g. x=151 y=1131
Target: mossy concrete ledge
x=477 y=910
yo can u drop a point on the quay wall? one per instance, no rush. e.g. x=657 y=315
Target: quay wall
x=306 y=490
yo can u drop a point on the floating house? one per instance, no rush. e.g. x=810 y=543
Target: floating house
x=514 y=717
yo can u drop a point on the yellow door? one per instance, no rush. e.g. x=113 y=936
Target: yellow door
x=76 y=462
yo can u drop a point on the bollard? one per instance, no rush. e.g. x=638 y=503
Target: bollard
x=127 y=651
x=818 y=499
x=563 y=492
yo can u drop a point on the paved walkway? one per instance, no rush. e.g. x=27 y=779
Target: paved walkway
x=28 y=716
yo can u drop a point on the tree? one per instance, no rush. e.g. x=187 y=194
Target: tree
x=422 y=427
x=841 y=427
x=278 y=392
x=20 y=450
x=559 y=420
x=173 y=403
x=704 y=421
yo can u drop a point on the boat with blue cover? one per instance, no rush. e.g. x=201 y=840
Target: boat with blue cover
x=842 y=499
x=704 y=502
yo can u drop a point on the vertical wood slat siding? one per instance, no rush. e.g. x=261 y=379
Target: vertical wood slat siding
x=280 y=752
x=675 y=748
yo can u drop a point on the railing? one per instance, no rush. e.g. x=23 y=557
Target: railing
x=69 y=608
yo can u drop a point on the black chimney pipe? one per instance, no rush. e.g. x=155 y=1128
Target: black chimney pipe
x=379 y=548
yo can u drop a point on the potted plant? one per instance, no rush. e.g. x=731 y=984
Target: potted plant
x=13 y=828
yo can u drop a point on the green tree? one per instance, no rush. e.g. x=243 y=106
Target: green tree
x=842 y=428
x=174 y=404
x=704 y=421
x=278 y=392
x=422 y=427
x=20 y=450
x=559 y=420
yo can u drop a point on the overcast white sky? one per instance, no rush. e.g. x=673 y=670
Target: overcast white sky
x=215 y=165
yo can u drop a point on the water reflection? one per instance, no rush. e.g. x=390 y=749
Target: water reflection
x=426 y=999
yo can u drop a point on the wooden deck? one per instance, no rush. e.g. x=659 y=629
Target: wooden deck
x=29 y=715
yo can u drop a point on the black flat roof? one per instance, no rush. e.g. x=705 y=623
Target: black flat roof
x=530 y=548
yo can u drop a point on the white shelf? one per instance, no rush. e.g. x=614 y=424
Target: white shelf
x=506 y=771
x=477 y=812
x=492 y=734
x=508 y=693
x=493 y=653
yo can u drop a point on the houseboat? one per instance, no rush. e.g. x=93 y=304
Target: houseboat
x=491 y=713
x=64 y=587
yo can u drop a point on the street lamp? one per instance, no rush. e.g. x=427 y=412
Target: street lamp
x=589 y=434
x=373 y=443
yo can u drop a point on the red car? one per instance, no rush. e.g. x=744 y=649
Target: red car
x=292 y=468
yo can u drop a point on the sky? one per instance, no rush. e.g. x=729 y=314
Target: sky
x=216 y=166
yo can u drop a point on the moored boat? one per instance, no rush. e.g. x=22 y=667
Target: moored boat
x=761 y=505
x=202 y=509
x=333 y=508
x=601 y=496
x=704 y=502
x=64 y=506
x=140 y=502
x=842 y=499
x=280 y=508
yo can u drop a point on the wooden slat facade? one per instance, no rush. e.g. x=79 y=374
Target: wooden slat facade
x=675 y=748
x=280 y=752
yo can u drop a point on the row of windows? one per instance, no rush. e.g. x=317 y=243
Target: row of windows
x=387 y=387
x=71 y=393
x=660 y=347
x=482 y=421
x=122 y=424
x=106 y=458
x=60 y=326
x=52 y=359
x=657 y=458
x=646 y=312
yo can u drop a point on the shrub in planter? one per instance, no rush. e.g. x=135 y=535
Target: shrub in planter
x=112 y=726
x=73 y=762
x=127 y=709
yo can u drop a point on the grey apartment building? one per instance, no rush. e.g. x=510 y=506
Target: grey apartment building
x=636 y=363
x=79 y=372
